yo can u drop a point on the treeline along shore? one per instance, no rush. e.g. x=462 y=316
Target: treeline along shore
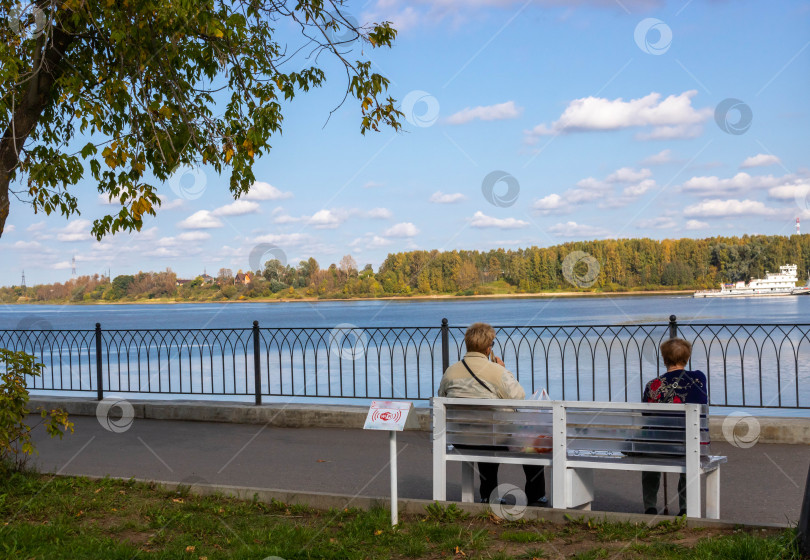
x=612 y=265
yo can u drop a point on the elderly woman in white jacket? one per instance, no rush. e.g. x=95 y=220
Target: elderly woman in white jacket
x=476 y=377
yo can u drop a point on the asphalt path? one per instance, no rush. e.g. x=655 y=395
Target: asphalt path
x=761 y=484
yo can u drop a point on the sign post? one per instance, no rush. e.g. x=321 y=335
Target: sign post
x=393 y=417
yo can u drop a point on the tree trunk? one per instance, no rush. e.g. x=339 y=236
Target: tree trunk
x=33 y=101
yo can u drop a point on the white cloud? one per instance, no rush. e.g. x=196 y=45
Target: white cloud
x=27 y=245
x=237 y=208
x=326 y=219
x=330 y=218
x=677 y=132
x=639 y=189
x=61 y=265
x=673 y=117
x=183 y=239
x=716 y=208
x=322 y=219
x=379 y=213
x=166 y=252
x=76 y=230
x=39 y=226
x=591 y=189
x=760 y=160
x=793 y=189
x=441 y=198
x=372 y=184
x=265 y=191
x=550 y=203
x=200 y=220
x=661 y=158
x=107 y=199
x=481 y=220
x=628 y=175
x=573 y=229
x=696 y=224
x=194 y=236
x=9 y=229
x=369 y=241
x=404 y=229
x=741 y=182
x=661 y=222
x=499 y=112
x=166 y=204
x=286 y=239
x=403 y=17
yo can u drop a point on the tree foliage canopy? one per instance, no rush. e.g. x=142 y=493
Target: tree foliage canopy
x=156 y=85
x=616 y=265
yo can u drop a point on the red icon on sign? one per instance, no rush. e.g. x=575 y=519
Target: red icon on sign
x=386 y=416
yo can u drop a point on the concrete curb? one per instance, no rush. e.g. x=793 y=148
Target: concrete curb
x=771 y=429
x=274 y=414
x=326 y=501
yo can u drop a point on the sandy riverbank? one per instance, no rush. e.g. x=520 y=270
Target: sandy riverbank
x=536 y=295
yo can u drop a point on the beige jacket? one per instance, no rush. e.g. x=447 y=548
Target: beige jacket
x=458 y=383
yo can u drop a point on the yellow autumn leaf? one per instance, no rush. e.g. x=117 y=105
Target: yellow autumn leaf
x=228 y=155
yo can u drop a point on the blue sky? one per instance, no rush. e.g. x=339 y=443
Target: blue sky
x=590 y=120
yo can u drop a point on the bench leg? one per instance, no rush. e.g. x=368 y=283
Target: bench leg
x=467 y=482
x=439 y=453
x=713 y=494
x=693 y=501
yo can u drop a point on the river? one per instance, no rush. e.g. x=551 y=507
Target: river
x=395 y=351
x=422 y=313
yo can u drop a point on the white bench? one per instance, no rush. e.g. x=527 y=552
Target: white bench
x=583 y=436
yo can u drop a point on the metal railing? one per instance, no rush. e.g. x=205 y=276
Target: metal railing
x=747 y=365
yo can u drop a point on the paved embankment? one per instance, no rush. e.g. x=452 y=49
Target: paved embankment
x=760 y=484
x=289 y=415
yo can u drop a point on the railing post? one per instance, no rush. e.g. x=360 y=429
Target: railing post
x=803 y=530
x=445 y=345
x=99 y=376
x=257 y=364
x=673 y=326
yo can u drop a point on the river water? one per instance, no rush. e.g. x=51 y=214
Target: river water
x=421 y=313
x=400 y=353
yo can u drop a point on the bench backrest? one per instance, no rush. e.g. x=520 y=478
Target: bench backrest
x=637 y=429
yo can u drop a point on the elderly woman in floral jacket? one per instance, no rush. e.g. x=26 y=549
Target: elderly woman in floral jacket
x=675 y=386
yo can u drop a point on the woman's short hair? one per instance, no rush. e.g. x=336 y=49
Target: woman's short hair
x=676 y=352
x=479 y=337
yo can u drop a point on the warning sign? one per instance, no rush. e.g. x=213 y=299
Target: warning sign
x=388 y=415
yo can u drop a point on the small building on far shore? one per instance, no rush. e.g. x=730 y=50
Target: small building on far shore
x=245 y=279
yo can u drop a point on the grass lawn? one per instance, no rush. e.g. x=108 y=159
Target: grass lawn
x=74 y=518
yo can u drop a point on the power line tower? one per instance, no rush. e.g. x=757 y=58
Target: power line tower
x=73 y=266
x=22 y=282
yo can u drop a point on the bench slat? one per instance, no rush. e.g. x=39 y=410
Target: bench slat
x=632 y=434
x=575 y=417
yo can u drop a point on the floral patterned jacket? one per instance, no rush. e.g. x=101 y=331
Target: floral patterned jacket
x=677 y=386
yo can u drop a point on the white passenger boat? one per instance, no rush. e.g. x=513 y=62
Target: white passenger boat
x=782 y=283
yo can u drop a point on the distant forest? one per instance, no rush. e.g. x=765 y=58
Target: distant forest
x=613 y=265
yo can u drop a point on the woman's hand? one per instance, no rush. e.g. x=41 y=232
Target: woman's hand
x=498 y=361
